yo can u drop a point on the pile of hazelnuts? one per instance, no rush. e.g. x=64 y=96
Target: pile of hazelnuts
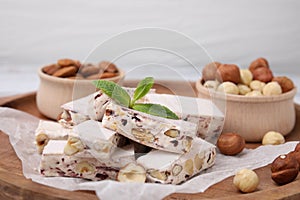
x=257 y=80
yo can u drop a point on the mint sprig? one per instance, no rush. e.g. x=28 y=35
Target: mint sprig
x=121 y=97
x=114 y=91
x=142 y=89
x=156 y=110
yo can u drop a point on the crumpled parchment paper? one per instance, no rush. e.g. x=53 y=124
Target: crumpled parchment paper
x=20 y=127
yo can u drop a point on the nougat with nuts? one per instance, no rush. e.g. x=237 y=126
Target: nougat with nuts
x=172 y=168
x=204 y=113
x=156 y=132
x=48 y=130
x=55 y=162
x=90 y=107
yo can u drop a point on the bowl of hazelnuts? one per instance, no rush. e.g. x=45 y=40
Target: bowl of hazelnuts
x=253 y=100
x=69 y=79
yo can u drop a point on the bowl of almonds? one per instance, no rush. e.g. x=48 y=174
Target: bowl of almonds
x=253 y=99
x=68 y=79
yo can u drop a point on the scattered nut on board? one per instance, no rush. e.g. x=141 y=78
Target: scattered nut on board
x=246 y=180
x=285 y=169
x=273 y=138
x=230 y=143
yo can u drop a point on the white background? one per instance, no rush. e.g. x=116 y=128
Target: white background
x=35 y=33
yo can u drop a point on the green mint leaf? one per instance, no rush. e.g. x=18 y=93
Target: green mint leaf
x=156 y=110
x=142 y=89
x=114 y=91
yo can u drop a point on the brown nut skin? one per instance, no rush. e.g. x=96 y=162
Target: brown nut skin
x=258 y=63
x=296 y=155
x=297 y=148
x=285 y=169
x=228 y=72
x=263 y=74
x=210 y=70
x=285 y=83
x=230 y=143
x=108 y=67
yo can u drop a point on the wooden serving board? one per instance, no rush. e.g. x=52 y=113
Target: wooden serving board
x=13 y=185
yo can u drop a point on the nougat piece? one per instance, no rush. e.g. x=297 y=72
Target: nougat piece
x=92 y=135
x=172 y=168
x=90 y=107
x=82 y=164
x=203 y=112
x=156 y=132
x=49 y=130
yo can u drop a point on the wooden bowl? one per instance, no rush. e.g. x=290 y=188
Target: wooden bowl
x=252 y=117
x=55 y=91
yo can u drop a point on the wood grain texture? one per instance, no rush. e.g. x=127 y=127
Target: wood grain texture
x=13 y=185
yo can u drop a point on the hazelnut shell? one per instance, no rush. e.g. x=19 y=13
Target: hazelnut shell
x=228 y=72
x=210 y=70
x=297 y=148
x=258 y=63
x=285 y=169
x=296 y=155
x=230 y=143
x=285 y=83
x=263 y=74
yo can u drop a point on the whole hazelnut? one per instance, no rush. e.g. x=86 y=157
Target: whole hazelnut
x=273 y=138
x=258 y=63
x=246 y=76
x=285 y=169
x=257 y=85
x=210 y=70
x=228 y=88
x=228 y=72
x=272 y=88
x=285 y=83
x=230 y=143
x=263 y=74
x=243 y=89
x=246 y=180
x=254 y=93
x=296 y=155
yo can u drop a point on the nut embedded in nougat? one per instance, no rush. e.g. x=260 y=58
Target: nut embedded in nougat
x=132 y=173
x=228 y=72
x=73 y=146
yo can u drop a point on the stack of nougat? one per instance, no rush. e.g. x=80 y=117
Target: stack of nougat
x=97 y=139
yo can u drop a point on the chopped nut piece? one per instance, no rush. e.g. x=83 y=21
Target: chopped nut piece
x=84 y=167
x=41 y=142
x=198 y=161
x=176 y=169
x=159 y=175
x=173 y=133
x=73 y=146
x=143 y=135
x=189 y=167
x=132 y=173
